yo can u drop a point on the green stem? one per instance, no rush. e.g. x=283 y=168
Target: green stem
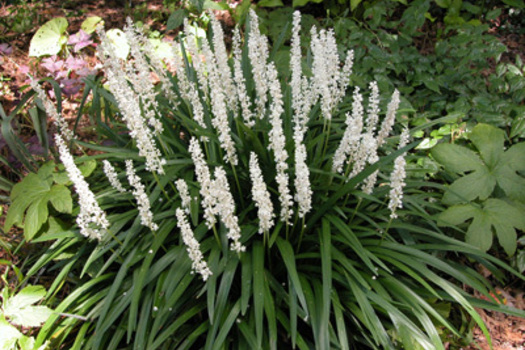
x=238 y=184
x=161 y=187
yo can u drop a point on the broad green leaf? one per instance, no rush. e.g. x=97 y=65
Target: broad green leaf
x=24 y=194
x=457 y=214
x=176 y=19
x=479 y=233
x=117 y=38
x=456 y=159
x=20 y=310
x=496 y=216
x=270 y=3
x=90 y=24
x=515 y=157
x=60 y=198
x=479 y=184
x=354 y=4
x=9 y=335
x=87 y=167
x=49 y=39
x=512 y=183
x=515 y=3
x=36 y=215
x=505 y=217
x=489 y=141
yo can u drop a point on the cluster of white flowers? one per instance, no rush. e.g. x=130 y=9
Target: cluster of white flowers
x=51 y=111
x=397 y=178
x=216 y=196
x=221 y=56
x=204 y=178
x=350 y=142
x=112 y=176
x=188 y=89
x=184 y=193
x=129 y=106
x=261 y=196
x=240 y=82
x=218 y=106
x=196 y=59
x=277 y=144
x=329 y=81
x=139 y=74
x=156 y=63
x=198 y=264
x=91 y=219
x=389 y=120
x=139 y=192
x=258 y=53
x=225 y=206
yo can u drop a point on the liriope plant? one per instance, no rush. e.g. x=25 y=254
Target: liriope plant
x=249 y=209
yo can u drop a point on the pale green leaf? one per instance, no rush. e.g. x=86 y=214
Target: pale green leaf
x=489 y=141
x=60 y=198
x=354 y=4
x=31 y=316
x=90 y=24
x=120 y=44
x=87 y=167
x=9 y=335
x=49 y=39
x=20 y=310
x=26 y=297
x=456 y=158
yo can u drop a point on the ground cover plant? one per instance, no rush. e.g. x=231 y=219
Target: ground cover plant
x=196 y=236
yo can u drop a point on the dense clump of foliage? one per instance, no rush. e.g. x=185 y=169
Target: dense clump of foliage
x=260 y=199
x=244 y=207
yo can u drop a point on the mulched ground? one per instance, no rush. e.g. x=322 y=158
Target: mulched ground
x=507 y=332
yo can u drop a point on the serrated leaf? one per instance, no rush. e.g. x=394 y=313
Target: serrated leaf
x=457 y=214
x=49 y=39
x=512 y=184
x=90 y=24
x=479 y=233
x=9 y=335
x=456 y=158
x=20 y=310
x=23 y=195
x=489 y=141
x=31 y=316
x=515 y=157
x=495 y=215
x=26 y=297
x=479 y=184
x=60 y=198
